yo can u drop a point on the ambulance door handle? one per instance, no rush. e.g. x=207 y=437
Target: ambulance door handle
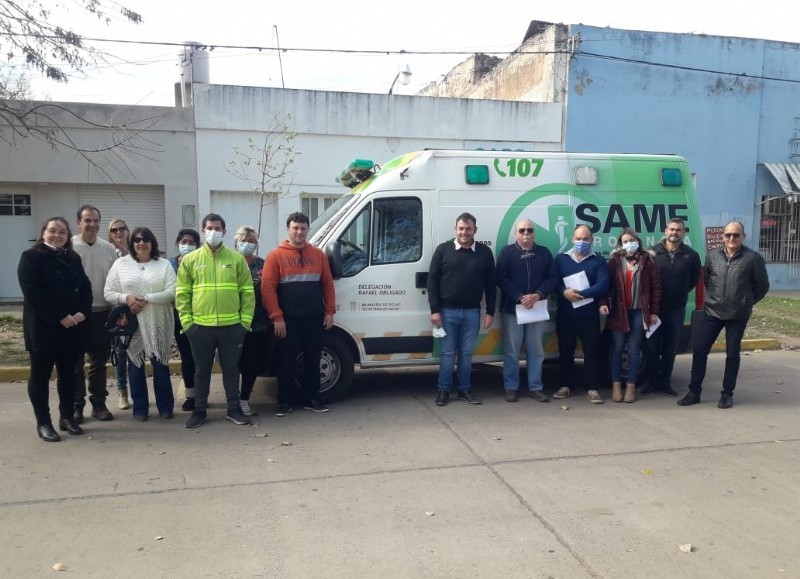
x=421 y=280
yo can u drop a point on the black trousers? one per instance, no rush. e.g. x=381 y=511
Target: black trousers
x=569 y=328
x=39 y=384
x=187 y=361
x=97 y=352
x=303 y=335
x=710 y=328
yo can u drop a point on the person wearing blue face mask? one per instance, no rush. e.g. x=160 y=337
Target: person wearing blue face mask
x=258 y=345
x=578 y=314
x=187 y=241
x=635 y=305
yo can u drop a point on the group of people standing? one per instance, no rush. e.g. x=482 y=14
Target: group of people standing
x=213 y=301
x=642 y=293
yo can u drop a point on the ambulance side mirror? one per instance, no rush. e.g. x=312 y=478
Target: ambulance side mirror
x=334 y=253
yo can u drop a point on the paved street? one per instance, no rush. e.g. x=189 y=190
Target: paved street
x=389 y=485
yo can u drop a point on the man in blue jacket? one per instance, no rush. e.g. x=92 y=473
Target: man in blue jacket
x=525 y=276
x=579 y=310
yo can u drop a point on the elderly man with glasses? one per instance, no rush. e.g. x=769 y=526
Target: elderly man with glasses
x=736 y=279
x=525 y=277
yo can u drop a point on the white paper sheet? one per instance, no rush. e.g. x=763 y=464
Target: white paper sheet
x=538 y=313
x=578 y=281
x=653 y=327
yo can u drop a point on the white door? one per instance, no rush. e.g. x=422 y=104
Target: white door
x=19 y=233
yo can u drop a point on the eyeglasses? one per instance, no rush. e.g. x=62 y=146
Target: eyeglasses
x=140 y=240
x=118 y=229
x=732 y=235
x=524 y=230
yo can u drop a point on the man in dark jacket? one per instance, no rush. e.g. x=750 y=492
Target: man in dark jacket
x=525 y=277
x=461 y=272
x=679 y=266
x=736 y=279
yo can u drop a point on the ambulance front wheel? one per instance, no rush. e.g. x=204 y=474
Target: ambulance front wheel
x=336 y=368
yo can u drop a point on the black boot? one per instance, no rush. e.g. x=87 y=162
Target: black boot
x=69 y=425
x=48 y=433
x=100 y=412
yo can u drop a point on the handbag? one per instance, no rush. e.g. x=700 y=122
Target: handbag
x=122 y=323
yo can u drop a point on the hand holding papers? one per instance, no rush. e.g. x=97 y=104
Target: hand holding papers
x=653 y=328
x=538 y=313
x=578 y=282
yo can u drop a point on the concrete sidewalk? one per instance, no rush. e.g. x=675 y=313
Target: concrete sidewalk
x=389 y=485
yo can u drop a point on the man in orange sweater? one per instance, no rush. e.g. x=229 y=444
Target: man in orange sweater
x=297 y=290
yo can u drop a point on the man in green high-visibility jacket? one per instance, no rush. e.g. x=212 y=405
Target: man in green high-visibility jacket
x=215 y=301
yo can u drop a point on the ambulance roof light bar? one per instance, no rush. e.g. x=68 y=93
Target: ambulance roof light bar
x=358 y=171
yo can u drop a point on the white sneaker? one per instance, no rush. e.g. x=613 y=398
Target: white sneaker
x=123 y=399
x=594 y=397
x=244 y=405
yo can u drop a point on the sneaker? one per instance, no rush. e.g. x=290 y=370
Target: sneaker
x=235 y=415
x=188 y=405
x=283 y=410
x=196 y=419
x=561 y=393
x=316 y=406
x=244 y=406
x=442 y=398
x=594 y=397
x=466 y=396
x=539 y=395
x=123 y=404
x=511 y=395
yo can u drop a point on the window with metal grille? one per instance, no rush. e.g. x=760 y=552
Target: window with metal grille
x=778 y=241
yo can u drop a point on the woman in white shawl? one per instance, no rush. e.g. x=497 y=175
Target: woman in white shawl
x=146 y=283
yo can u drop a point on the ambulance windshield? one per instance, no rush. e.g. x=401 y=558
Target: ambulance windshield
x=330 y=216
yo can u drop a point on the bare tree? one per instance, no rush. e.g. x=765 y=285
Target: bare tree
x=15 y=83
x=30 y=32
x=32 y=35
x=266 y=165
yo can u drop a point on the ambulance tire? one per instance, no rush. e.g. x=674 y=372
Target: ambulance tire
x=336 y=368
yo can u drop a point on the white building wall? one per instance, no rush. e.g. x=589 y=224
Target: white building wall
x=158 y=151
x=334 y=128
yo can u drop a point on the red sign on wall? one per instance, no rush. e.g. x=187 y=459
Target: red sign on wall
x=714 y=237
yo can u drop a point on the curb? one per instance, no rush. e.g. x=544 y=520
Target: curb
x=20 y=373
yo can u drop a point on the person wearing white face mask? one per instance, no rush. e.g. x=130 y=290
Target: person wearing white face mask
x=215 y=301
x=187 y=241
x=635 y=302
x=258 y=344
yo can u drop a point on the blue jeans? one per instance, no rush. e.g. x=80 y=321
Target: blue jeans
x=706 y=336
x=634 y=349
x=662 y=347
x=513 y=336
x=162 y=387
x=462 y=327
x=121 y=369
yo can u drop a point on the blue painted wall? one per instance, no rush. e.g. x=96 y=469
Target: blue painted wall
x=655 y=92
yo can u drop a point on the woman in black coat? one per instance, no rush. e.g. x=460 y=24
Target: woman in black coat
x=58 y=299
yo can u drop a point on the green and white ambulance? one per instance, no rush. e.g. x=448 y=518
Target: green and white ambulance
x=380 y=236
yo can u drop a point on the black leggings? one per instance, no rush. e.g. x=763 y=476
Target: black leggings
x=39 y=384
